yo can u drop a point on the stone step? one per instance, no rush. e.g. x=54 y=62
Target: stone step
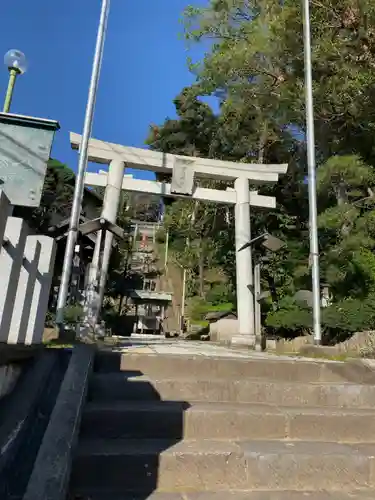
x=200 y=367
x=129 y=386
x=173 y=419
x=232 y=495
x=203 y=465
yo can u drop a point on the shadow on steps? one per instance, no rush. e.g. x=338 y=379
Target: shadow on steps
x=24 y=417
x=120 y=443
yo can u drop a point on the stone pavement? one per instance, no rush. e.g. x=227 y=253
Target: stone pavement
x=151 y=344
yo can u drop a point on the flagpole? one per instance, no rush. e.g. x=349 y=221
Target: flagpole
x=314 y=242
x=82 y=165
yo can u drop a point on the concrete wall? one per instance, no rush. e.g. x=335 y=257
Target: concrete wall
x=26 y=270
x=8 y=377
x=223 y=330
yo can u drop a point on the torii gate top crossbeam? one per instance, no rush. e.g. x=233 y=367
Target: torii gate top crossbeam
x=146 y=159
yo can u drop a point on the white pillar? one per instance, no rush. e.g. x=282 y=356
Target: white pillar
x=100 y=262
x=11 y=258
x=33 y=291
x=42 y=289
x=93 y=272
x=25 y=291
x=105 y=265
x=91 y=287
x=113 y=190
x=244 y=272
x=110 y=210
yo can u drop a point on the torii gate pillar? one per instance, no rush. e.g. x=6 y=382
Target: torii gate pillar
x=244 y=271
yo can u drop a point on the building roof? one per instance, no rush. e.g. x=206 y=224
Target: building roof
x=60 y=231
x=216 y=315
x=149 y=296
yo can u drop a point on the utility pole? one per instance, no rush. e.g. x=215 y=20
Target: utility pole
x=82 y=165
x=310 y=140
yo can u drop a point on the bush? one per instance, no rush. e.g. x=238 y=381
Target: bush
x=339 y=320
x=50 y=320
x=199 y=307
x=73 y=314
x=161 y=236
x=219 y=294
x=348 y=316
x=290 y=321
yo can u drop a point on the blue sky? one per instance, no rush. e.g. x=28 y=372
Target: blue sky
x=144 y=65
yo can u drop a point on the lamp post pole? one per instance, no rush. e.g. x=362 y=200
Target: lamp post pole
x=257 y=310
x=314 y=243
x=183 y=300
x=166 y=249
x=272 y=244
x=13 y=73
x=82 y=165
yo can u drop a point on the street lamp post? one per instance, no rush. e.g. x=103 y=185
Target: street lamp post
x=166 y=249
x=257 y=308
x=15 y=61
x=310 y=140
x=183 y=300
x=272 y=244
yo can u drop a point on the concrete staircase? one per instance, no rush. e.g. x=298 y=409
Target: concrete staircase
x=198 y=428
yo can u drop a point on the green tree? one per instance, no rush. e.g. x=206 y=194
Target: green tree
x=347 y=202
x=256 y=58
x=57 y=197
x=193 y=131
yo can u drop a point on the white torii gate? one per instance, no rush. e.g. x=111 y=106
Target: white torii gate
x=119 y=157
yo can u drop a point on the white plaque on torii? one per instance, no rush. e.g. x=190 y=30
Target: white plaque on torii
x=182 y=177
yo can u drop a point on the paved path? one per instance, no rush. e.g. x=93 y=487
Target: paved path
x=149 y=344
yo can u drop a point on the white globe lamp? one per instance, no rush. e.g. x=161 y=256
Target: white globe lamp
x=16 y=62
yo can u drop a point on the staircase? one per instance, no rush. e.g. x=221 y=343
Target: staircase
x=198 y=428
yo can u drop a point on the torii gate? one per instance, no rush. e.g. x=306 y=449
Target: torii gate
x=184 y=170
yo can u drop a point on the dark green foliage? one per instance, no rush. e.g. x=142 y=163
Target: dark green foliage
x=292 y=319
x=199 y=308
x=73 y=314
x=220 y=293
x=348 y=316
x=191 y=134
x=57 y=197
x=339 y=320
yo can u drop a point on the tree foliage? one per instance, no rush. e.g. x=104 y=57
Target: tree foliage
x=57 y=197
